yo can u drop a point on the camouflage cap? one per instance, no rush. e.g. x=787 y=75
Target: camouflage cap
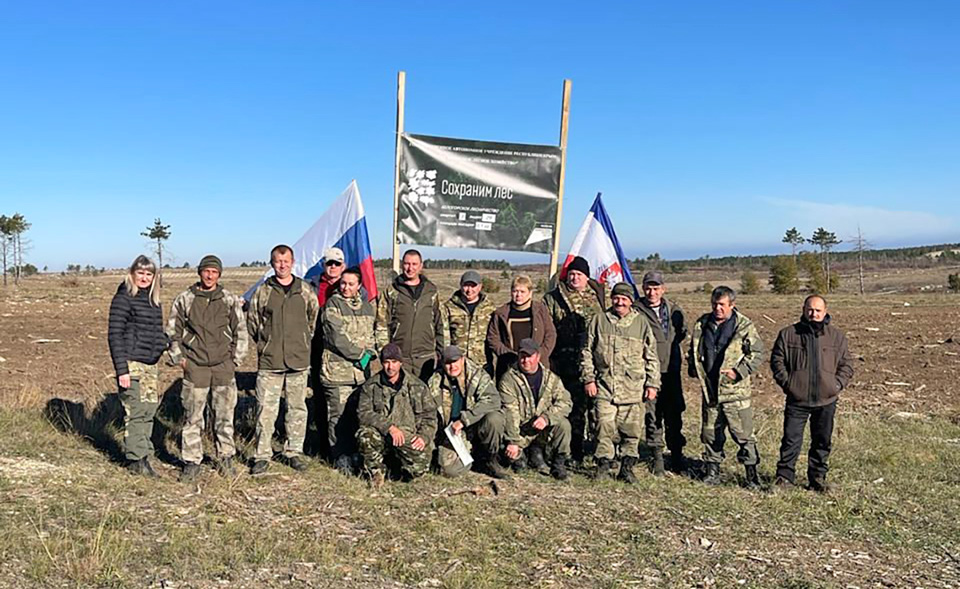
x=210 y=261
x=624 y=289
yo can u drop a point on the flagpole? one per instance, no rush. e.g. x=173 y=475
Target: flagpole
x=401 y=92
x=564 y=120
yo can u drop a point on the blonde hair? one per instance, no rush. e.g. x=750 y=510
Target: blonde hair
x=522 y=280
x=143 y=263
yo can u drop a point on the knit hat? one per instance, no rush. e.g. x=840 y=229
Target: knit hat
x=624 y=289
x=391 y=351
x=210 y=261
x=579 y=264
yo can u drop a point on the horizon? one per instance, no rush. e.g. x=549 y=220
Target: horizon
x=710 y=130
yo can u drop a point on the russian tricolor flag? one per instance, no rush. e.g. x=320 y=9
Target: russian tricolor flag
x=344 y=225
x=597 y=243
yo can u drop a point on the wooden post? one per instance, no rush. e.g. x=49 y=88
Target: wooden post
x=401 y=90
x=564 y=120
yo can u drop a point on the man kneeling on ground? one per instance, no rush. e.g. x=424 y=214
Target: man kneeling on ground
x=536 y=406
x=467 y=401
x=397 y=417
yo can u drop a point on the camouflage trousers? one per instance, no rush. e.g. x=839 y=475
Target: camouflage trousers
x=486 y=433
x=555 y=438
x=618 y=424
x=736 y=416
x=583 y=417
x=381 y=456
x=271 y=387
x=341 y=419
x=139 y=408
x=203 y=385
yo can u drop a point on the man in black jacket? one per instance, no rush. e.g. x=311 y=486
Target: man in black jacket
x=812 y=364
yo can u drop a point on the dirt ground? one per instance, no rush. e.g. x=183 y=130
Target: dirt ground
x=53 y=337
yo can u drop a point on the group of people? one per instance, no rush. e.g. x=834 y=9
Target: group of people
x=412 y=381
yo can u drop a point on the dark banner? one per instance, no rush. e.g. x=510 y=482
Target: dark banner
x=477 y=194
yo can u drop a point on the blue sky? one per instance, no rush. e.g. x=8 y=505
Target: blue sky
x=710 y=127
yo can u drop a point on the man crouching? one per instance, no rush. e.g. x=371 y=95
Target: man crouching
x=398 y=420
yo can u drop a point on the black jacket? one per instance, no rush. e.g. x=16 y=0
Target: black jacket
x=135 y=330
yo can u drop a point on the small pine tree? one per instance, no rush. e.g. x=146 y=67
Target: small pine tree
x=707 y=287
x=490 y=286
x=953 y=282
x=158 y=232
x=749 y=283
x=783 y=275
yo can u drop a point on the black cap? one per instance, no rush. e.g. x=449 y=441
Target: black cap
x=652 y=277
x=451 y=354
x=528 y=347
x=391 y=351
x=580 y=264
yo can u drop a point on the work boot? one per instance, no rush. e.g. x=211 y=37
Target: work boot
x=752 y=481
x=135 y=467
x=678 y=462
x=493 y=468
x=536 y=461
x=189 y=473
x=626 y=470
x=604 y=468
x=782 y=484
x=559 y=468
x=658 y=468
x=712 y=474
x=297 y=462
x=259 y=467
x=520 y=464
x=377 y=478
x=344 y=465
x=225 y=467
x=147 y=468
x=818 y=483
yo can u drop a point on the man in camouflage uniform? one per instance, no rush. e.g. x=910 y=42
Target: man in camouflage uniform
x=621 y=372
x=669 y=325
x=398 y=420
x=465 y=318
x=725 y=350
x=408 y=314
x=347 y=325
x=208 y=336
x=536 y=406
x=572 y=304
x=467 y=401
x=281 y=321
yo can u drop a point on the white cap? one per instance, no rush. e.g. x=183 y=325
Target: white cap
x=334 y=254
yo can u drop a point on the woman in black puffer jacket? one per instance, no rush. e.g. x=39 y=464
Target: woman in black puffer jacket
x=137 y=340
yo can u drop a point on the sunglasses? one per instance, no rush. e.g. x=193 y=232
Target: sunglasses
x=334 y=263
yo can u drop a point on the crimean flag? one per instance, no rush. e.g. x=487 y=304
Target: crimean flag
x=343 y=225
x=597 y=243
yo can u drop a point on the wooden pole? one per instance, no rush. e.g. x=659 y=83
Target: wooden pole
x=564 y=120
x=401 y=91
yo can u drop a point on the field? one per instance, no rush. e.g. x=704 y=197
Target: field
x=71 y=517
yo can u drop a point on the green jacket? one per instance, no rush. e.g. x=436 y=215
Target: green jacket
x=571 y=311
x=621 y=357
x=411 y=408
x=464 y=330
x=669 y=344
x=414 y=324
x=519 y=406
x=282 y=324
x=480 y=394
x=207 y=328
x=347 y=333
x=744 y=355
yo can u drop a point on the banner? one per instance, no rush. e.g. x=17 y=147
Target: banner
x=477 y=194
x=597 y=243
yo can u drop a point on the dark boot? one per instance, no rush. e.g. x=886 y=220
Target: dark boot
x=535 y=458
x=520 y=464
x=259 y=467
x=297 y=462
x=818 y=483
x=226 y=469
x=626 y=470
x=559 y=468
x=604 y=467
x=135 y=467
x=147 y=468
x=712 y=474
x=189 y=473
x=344 y=465
x=678 y=463
x=752 y=481
x=493 y=468
x=658 y=468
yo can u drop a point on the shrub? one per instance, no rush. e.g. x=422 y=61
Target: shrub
x=749 y=283
x=953 y=282
x=783 y=275
x=490 y=286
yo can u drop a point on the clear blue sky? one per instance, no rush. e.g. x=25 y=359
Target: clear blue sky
x=710 y=127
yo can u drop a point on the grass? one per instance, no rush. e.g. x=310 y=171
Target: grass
x=72 y=518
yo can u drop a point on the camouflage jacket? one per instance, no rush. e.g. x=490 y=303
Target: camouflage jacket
x=207 y=327
x=411 y=408
x=347 y=333
x=414 y=324
x=480 y=394
x=669 y=343
x=282 y=323
x=465 y=330
x=744 y=355
x=620 y=356
x=518 y=402
x=571 y=311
